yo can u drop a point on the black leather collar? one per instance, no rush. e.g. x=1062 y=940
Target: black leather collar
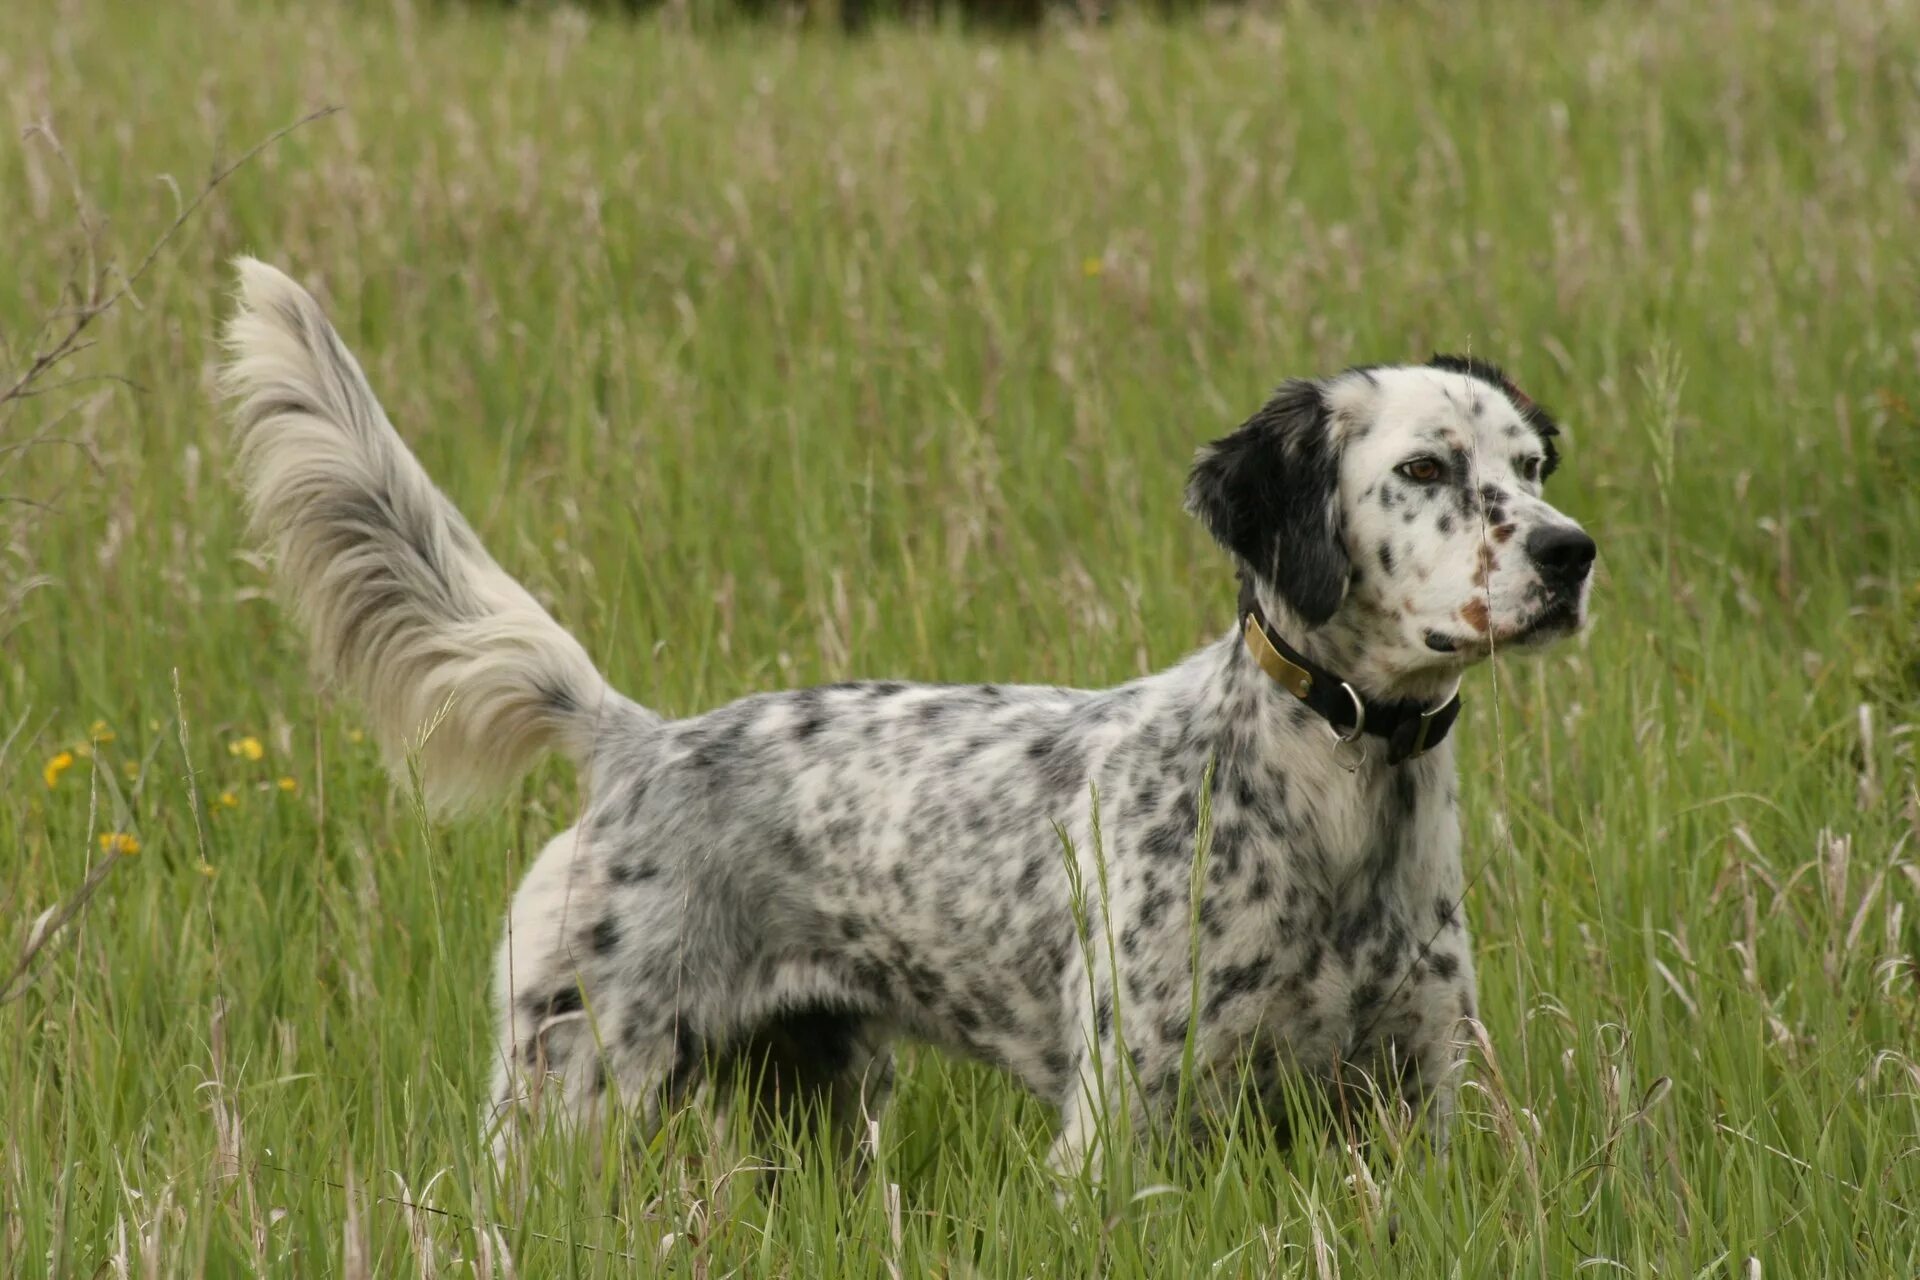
x=1410 y=729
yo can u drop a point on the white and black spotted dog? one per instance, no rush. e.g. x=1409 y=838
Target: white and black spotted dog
x=800 y=878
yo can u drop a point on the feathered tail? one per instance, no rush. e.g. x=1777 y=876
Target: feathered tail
x=450 y=658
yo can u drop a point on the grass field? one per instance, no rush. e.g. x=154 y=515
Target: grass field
x=769 y=357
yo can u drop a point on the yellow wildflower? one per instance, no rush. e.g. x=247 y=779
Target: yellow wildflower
x=55 y=767
x=248 y=746
x=288 y=784
x=228 y=800
x=121 y=842
x=131 y=768
x=1092 y=267
x=208 y=870
x=99 y=732
x=354 y=735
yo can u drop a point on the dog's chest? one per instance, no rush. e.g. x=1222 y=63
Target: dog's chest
x=1368 y=974
x=1358 y=940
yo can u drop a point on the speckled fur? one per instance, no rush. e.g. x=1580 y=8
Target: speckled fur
x=802 y=877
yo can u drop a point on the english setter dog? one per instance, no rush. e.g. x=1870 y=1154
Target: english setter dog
x=1018 y=874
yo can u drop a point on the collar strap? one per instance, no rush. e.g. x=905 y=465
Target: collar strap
x=1410 y=729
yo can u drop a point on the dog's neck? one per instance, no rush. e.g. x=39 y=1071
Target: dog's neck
x=1231 y=707
x=1344 y=646
x=1367 y=819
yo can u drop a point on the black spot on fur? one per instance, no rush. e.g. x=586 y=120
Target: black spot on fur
x=1030 y=875
x=636 y=797
x=791 y=850
x=557 y=699
x=1168 y=840
x=992 y=1006
x=371 y=514
x=1153 y=906
x=1354 y=930
x=606 y=935
x=1186 y=812
x=925 y=985
x=1209 y=916
x=1229 y=981
x=713 y=753
x=1310 y=964
x=1444 y=963
x=1060 y=761
x=556 y=1004
x=1229 y=847
x=904 y=884
x=632 y=872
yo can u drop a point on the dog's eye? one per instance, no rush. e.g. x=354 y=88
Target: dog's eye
x=1422 y=470
x=1530 y=468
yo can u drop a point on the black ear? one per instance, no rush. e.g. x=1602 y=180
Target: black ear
x=1270 y=494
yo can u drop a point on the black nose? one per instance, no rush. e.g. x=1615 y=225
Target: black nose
x=1563 y=552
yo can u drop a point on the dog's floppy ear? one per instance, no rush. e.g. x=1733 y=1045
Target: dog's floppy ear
x=1270 y=494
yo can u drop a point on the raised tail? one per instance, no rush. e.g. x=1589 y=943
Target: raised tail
x=454 y=663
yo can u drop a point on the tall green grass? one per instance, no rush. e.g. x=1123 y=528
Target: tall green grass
x=771 y=358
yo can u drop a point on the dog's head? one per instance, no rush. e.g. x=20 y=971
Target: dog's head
x=1392 y=519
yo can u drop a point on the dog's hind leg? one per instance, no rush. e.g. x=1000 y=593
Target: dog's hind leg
x=1119 y=1097
x=578 y=1069
x=573 y=1039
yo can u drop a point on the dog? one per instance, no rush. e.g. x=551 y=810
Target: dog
x=1252 y=857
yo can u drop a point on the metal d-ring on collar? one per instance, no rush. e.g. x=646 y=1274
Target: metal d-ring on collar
x=1410 y=729
x=1359 y=718
x=1420 y=739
